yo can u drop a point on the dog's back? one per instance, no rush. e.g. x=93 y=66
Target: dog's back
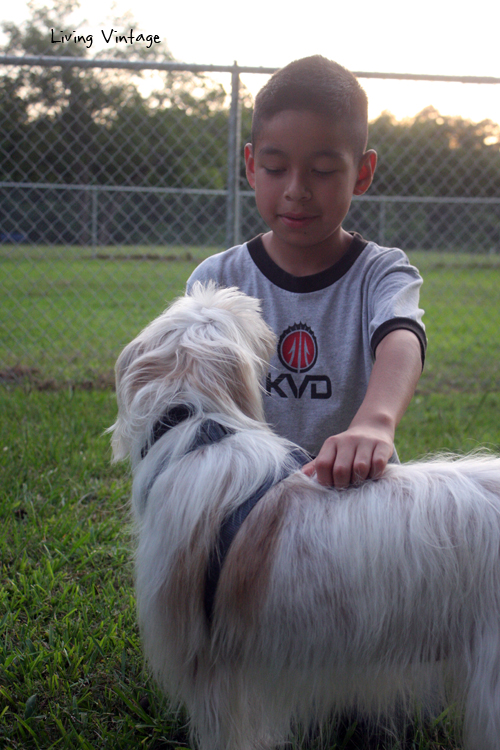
x=371 y=597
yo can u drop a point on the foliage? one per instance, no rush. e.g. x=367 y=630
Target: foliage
x=436 y=155
x=85 y=125
x=74 y=125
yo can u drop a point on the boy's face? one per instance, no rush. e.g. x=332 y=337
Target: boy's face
x=304 y=173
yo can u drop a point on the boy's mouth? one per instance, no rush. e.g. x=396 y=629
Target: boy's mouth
x=296 y=220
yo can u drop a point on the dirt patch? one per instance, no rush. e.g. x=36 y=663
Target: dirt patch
x=33 y=378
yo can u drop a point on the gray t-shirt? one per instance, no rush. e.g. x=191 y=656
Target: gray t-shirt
x=328 y=327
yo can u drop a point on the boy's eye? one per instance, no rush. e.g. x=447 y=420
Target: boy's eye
x=275 y=170
x=324 y=171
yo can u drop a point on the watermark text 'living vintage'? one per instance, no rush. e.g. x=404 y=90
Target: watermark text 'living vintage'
x=113 y=36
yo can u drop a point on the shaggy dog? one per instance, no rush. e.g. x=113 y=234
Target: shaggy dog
x=267 y=602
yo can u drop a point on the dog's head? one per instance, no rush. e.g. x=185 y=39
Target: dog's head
x=209 y=349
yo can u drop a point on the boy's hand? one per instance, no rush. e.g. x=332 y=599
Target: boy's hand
x=363 y=450
x=352 y=456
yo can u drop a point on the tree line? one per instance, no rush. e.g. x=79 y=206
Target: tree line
x=92 y=126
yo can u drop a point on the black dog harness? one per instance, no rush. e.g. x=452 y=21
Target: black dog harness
x=231 y=525
x=210 y=432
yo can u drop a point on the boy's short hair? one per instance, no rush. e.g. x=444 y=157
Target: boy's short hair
x=318 y=85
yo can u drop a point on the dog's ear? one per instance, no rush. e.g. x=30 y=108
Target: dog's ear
x=121 y=438
x=148 y=358
x=225 y=359
x=131 y=352
x=245 y=384
x=129 y=378
x=137 y=366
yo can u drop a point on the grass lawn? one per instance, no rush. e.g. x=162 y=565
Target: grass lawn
x=460 y=296
x=70 y=664
x=71 y=672
x=65 y=313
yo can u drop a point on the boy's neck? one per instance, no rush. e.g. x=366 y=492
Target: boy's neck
x=306 y=261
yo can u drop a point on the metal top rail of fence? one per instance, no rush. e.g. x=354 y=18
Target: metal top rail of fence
x=84 y=62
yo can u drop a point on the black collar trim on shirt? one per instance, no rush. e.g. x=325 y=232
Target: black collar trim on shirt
x=301 y=284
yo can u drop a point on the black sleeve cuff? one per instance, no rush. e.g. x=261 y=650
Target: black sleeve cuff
x=393 y=325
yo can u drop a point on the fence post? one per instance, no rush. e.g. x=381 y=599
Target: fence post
x=382 y=222
x=94 y=227
x=233 y=162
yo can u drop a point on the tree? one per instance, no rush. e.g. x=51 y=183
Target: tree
x=436 y=155
x=95 y=126
x=70 y=124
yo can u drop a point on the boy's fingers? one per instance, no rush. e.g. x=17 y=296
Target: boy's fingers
x=325 y=461
x=309 y=469
x=363 y=462
x=344 y=462
x=381 y=456
x=343 y=466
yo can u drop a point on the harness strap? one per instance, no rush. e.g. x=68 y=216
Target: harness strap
x=171 y=418
x=230 y=527
x=209 y=431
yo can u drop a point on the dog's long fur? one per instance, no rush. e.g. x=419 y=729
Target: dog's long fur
x=376 y=598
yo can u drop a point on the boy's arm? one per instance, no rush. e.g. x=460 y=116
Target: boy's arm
x=364 y=449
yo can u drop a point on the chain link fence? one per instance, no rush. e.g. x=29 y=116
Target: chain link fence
x=109 y=196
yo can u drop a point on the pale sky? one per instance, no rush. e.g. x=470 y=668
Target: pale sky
x=431 y=36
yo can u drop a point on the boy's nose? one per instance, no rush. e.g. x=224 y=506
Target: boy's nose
x=297 y=189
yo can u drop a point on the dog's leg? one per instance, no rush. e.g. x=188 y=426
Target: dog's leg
x=482 y=704
x=221 y=733
x=227 y=714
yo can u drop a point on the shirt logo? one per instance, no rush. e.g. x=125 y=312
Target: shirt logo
x=298 y=348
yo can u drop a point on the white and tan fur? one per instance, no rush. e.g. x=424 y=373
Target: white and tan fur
x=376 y=599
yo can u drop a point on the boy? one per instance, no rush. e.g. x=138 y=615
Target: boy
x=351 y=341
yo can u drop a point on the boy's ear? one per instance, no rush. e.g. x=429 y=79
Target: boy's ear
x=365 y=172
x=250 y=165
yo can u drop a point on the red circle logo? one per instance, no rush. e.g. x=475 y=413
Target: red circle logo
x=297 y=348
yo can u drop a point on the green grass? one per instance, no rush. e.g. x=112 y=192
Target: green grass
x=65 y=313
x=462 y=317
x=71 y=671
